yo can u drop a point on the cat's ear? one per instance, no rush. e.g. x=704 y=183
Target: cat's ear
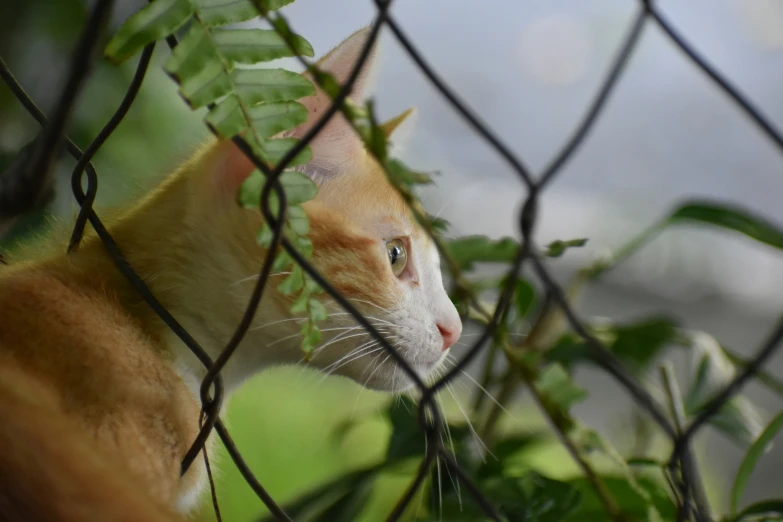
x=337 y=145
x=398 y=130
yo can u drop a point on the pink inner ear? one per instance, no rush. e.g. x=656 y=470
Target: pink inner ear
x=230 y=167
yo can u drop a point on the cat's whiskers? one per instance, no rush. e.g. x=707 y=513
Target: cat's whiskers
x=470 y=424
x=480 y=387
x=259 y=327
x=446 y=204
x=354 y=351
x=445 y=422
x=372 y=304
x=440 y=484
x=365 y=315
x=302 y=318
x=373 y=367
x=256 y=276
x=298 y=334
x=367 y=349
x=377 y=367
x=337 y=338
x=372 y=364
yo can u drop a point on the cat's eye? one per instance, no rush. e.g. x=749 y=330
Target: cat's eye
x=398 y=256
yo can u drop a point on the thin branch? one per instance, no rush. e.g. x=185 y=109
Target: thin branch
x=688 y=465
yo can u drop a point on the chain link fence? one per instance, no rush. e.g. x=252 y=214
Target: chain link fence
x=21 y=191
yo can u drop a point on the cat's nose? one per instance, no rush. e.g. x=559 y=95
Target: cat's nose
x=450 y=333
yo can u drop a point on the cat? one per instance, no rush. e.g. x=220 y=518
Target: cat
x=100 y=400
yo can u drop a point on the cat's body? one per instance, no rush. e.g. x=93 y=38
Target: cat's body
x=99 y=399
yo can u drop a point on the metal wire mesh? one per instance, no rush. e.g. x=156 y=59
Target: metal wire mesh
x=691 y=505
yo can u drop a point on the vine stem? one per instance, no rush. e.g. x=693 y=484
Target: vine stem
x=690 y=470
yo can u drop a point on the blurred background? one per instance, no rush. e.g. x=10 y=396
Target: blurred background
x=529 y=69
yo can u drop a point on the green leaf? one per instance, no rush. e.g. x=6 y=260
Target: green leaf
x=271 y=5
x=305 y=247
x=731 y=218
x=764 y=511
x=721 y=215
x=277 y=148
x=250 y=193
x=473 y=249
x=738 y=418
x=293 y=283
x=557 y=248
x=297 y=220
x=282 y=262
x=758 y=448
x=251 y=46
x=525 y=297
x=376 y=142
x=267 y=119
x=274 y=117
x=300 y=305
x=193 y=53
x=439 y=225
x=638 y=344
x=206 y=86
x=298 y=187
x=152 y=22
x=226 y=118
x=311 y=336
x=224 y=12
x=265 y=236
x=555 y=382
x=317 y=311
x=325 y=80
x=269 y=85
x=401 y=174
x=533 y=497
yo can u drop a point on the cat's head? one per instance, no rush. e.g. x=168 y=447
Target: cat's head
x=370 y=248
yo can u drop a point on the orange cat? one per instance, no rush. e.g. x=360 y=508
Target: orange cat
x=99 y=400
